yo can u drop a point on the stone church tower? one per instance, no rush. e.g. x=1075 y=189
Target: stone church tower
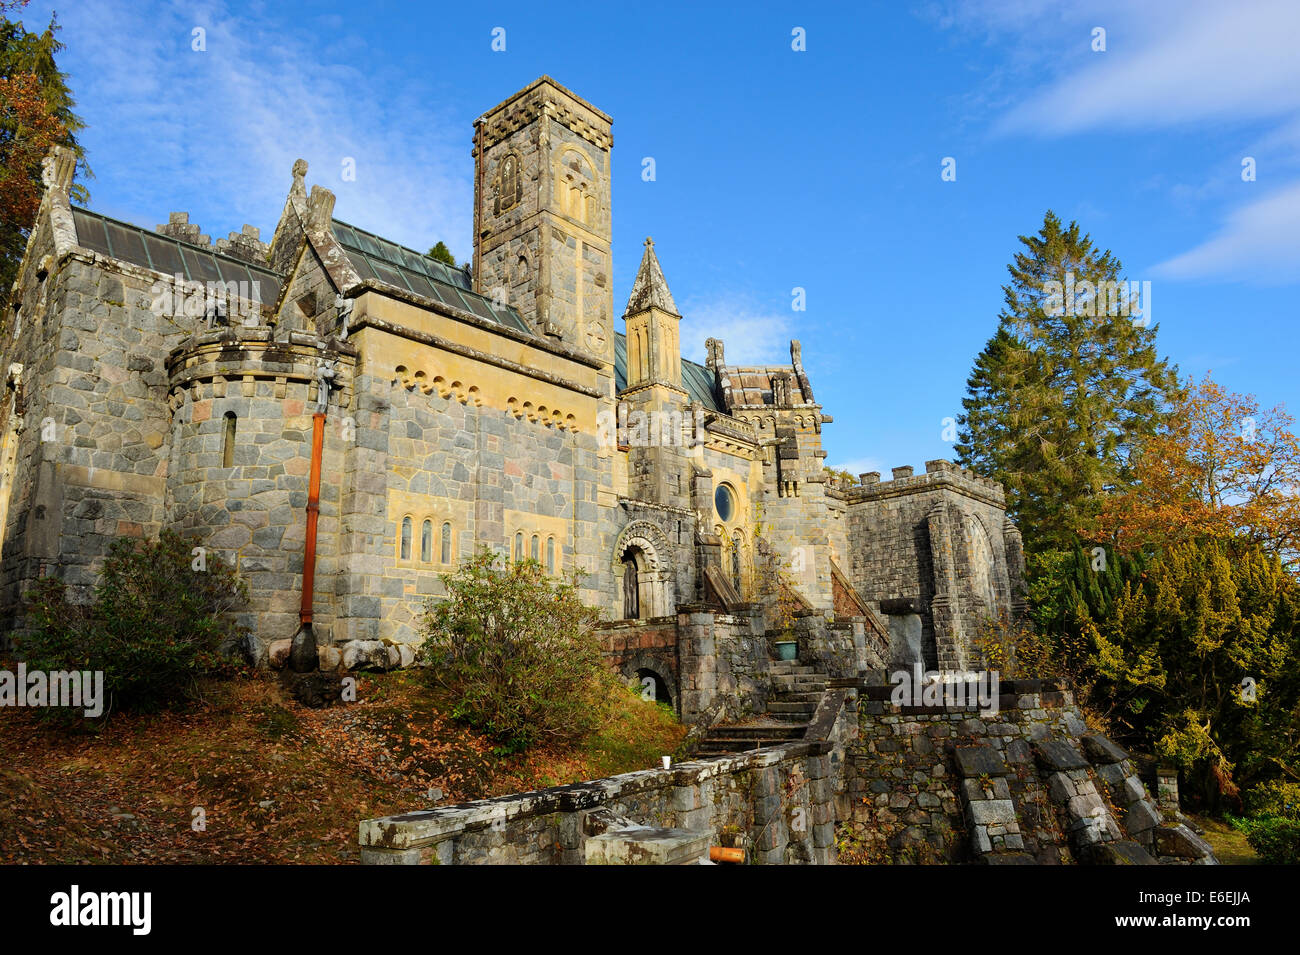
x=542 y=214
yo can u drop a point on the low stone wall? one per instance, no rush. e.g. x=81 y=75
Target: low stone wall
x=776 y=804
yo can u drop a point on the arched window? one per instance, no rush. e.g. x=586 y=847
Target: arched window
x=426 y=541
x=446 y=543
x=550 y=555
x=228 y=445
x=631 y=585
x=405 y=552
x=534 y=550
x=519 y=545
x=736 y=543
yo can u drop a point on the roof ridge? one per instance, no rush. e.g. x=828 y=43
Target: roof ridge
x=211 y=250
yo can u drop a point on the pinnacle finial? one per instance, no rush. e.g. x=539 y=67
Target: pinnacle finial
x=650 y=289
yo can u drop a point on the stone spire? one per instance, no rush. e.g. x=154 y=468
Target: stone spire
x=650 y=290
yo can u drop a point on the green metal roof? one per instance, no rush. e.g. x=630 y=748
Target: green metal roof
x=162 y=253
x=377 y=258
x=696 y=379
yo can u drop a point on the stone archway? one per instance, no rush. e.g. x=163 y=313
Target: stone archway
x=658 y=669
x=984 y=570
x=642 y=551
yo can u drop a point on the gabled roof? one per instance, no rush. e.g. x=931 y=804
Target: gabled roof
x=162 y=253
x=405 y=269
x=650 y=290
x=696 y=379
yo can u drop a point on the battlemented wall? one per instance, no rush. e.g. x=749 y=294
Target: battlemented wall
x=935 y=546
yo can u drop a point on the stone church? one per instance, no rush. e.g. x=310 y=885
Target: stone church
x=157 y=379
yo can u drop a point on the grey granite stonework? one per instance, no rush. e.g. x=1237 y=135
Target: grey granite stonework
x=124 y=416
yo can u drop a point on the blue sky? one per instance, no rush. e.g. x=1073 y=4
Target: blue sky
x=775 y=169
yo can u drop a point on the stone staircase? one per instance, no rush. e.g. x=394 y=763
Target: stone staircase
x=796 y=691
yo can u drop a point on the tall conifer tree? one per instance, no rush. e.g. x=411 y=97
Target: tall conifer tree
x=1065 y=387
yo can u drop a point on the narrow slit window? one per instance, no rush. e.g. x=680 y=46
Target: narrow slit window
x=534 y=551
x=550 y=555
x=406 y=539
x=426 y=542
x=519 y=546
x=228 y=443
x=446 y=543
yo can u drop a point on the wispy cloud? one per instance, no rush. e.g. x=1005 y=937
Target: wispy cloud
x=1181 y=64
x=750 y=333
x=1260 y=241
x=223 y=125
x=1214 y=61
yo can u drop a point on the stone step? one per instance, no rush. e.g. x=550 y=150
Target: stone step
x=785 y=708
x=720 y=747
x=772 y=729
x=813 y=698
x=810 y=686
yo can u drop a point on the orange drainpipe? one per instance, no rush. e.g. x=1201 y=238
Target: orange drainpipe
x=313 y=512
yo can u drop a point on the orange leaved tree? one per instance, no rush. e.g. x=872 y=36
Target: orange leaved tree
x=1218 y=467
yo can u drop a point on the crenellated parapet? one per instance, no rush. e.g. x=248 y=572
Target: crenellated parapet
x=939 y=475
x=231 y=362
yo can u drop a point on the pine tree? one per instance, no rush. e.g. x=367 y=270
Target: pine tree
x=1065 y=387
x=441 y=253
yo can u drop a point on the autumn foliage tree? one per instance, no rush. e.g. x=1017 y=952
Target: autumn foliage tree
x=1218 y=467
x=36 y=113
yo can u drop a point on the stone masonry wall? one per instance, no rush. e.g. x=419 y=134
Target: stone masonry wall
x=90 y=461
x=899 y=567
x=723 y=665
x=254 y=511
x=488 y=473
x=1029 y=783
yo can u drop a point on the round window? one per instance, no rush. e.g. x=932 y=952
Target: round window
x=724 y=499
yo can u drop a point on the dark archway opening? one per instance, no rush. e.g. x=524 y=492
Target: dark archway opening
x=656 y=684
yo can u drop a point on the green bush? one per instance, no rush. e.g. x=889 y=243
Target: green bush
x=1275 y=840
x=159 y=622
x=519 y=652
x=1274 y=798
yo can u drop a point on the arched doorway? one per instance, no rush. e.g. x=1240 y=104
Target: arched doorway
x=642 y=567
